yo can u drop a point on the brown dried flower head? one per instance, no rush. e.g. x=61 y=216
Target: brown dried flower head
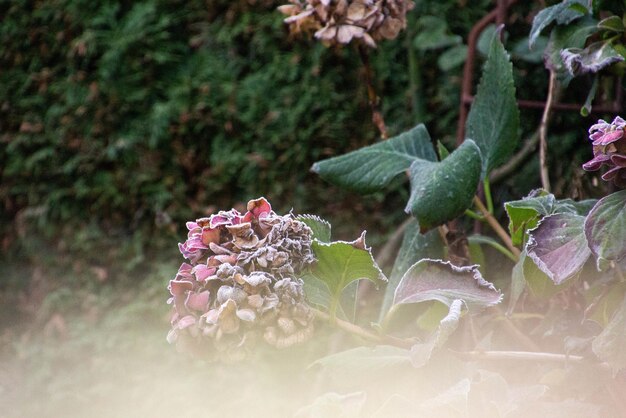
x=242 y=283
x=339 y=22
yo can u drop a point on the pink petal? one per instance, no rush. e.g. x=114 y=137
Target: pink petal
x=198 y=301
x=609 y=137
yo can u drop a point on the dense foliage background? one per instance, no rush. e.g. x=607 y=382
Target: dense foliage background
x=118 y=118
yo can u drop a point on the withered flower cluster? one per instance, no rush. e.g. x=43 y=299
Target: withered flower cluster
x=343 y=21
x=609 y=149
x=242 y=283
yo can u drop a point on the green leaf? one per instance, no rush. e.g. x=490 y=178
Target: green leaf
x=340 y=263
x=605 y=229
x=609 y=345
x=369 y=169
x=433 y=34
x=592 y=59
x=445 y=282
x=452 y=57
x=415 y=246
x=318 y=294
x=558 y=246
x=612 y=23
x=493 y=120
x=563 y=13
x=320 y=227
x=442 y=151
x=441 y=191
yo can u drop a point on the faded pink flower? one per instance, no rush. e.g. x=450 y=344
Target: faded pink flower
x=609 y=148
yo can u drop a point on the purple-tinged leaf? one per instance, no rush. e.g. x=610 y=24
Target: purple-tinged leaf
x=442 y=281
x=605 y=229
x=558 y=246
x=592 y=59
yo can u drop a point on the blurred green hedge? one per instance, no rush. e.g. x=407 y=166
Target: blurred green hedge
x=119 y=116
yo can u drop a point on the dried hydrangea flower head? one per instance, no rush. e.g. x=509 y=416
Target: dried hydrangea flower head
x=242 y=283
x=337 y=22
x=609 y=148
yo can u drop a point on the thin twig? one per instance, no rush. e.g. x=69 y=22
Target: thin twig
x=360 y=332
x=493 y=223
x=526 y=356
x=374 y=100
x=516 y=160
x=543 y=133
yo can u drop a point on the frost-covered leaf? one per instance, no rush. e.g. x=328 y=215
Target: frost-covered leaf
x=318 y=294
x=320 y=227
x=592 y=59
x=421 y=352
x=415 y=246
x=340 y=263
x=334 y=405
x=441 y=191
x=609 y=345
x=558 y=246
x=525 y=214
x=570 y=36
x=369 y=359
x=562 y=13
x=371 y=168
x=493 y=120
x=444 y=282
x=605 y=229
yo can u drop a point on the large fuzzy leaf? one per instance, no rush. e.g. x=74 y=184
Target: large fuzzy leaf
x=444 y=282
x=493 y=120
x=558 y=246
x=338 y=265
x=369 y=169
x=609 y=345
x=605 y=229
x=415 y=246
x=441 y=191
x=562 y=13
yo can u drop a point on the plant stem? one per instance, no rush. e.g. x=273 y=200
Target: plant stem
x=374 y=100
x=493 y=244
x=474 y=215
x=514 y=162
x=360 y=332
x=493 y=223
x=524 y=356
x=471 y=355
x=543 y=133
x=487 y=192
